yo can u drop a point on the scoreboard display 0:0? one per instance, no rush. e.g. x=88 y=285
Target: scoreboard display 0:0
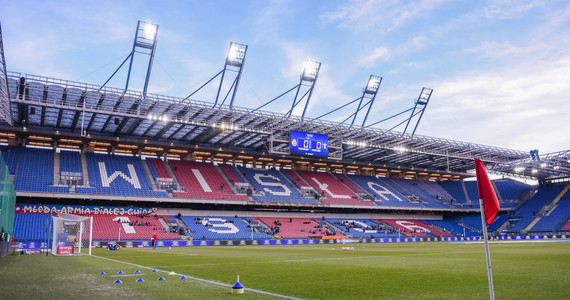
x=310 y=144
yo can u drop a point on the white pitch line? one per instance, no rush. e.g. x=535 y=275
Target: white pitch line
x=202 y=279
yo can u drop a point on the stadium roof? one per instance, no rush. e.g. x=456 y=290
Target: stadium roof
x=69 y=106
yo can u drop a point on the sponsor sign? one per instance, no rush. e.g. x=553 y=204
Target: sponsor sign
x=82 y=210
x=65 y=250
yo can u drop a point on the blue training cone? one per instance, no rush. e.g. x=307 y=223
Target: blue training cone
x=118 y=281
x=161 y=278
x=238 y=288
x=154 y=270
x=102 y=273
x=137 y=271
x=140 y=280
x=183 y=277
x=120 y=272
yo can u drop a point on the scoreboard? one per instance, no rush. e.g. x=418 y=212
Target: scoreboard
x=310 y=144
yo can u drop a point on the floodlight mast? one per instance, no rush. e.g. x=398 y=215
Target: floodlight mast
x=145 y=42
x=368 y=92
x=235 y=60
x=145 y=38
x=421 y=102
x=309 y=79
x=371 y=89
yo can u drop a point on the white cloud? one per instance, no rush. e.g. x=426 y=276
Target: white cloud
x=507 y=9
x=521 y=106
x=379 y=53
x=383 y=53
x=379 y=15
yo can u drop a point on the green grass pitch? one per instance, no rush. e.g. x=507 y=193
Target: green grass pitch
x=371 y=271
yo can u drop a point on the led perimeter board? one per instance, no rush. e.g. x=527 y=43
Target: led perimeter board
x=310 y=144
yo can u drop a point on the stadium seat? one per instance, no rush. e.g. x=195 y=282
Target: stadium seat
x=274 y=186
x=295 y=227
x=202 y=181
x=109 y=227
x=333 y=191
x=384 y=193
x=35 y=172
x=222 y=228
x=117 y=175
x=528 y=212
x=362 y=228
x=415 y=228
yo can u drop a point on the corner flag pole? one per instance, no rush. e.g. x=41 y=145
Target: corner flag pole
x=486 y=237
x=489 y=205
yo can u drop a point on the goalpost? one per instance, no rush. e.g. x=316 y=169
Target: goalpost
x=72 y=235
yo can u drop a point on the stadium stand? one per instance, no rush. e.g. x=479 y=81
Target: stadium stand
x=295 y=178
x=511 y=190
x=159 y=167
x=32 y=227
x=152 y=168
x=221 y=228
x=415 y=228
x=70 y=161
x=294 y=227
x=472 y=192
x=202 y=181
x=346 y=181
x=452 y=227
x=230 y=172
x=555 y=214
x=11 y=157
x=566 y=225
x=35 y=172
x=117 y=175
x=415 y=189
x=500 y=219
x=274 y=186
x=383 y=192
x=532 y=208
x=472 y=221
x=363 y=228
x=455 y=189
x=107 y=227
x=332 y=190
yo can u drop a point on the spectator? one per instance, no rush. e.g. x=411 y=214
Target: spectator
x=153 y=239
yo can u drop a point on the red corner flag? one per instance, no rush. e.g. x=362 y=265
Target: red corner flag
x=486 y=192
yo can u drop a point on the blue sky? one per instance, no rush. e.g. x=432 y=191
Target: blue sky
x=499 y=69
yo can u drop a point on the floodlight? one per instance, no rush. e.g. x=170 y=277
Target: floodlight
x=311 y=70
x=373 y=84
x=236 y=54
x=149 y=31
x=424 y=96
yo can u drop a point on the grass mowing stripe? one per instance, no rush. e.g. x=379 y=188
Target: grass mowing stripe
x=310 y=259
x=167 y=252
x=201 y=279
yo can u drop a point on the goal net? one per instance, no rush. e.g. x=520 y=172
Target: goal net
x=72 y=235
